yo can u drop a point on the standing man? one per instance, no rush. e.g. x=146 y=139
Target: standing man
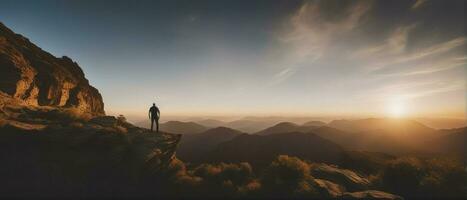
x=154 y=115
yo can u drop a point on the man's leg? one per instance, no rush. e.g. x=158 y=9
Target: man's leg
x=157 y=125
x=152 y=123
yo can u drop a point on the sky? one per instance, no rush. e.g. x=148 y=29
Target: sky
x=260 y=58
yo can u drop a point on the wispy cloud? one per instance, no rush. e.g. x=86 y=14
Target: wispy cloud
x=441 y=88
x=426 y=68
x=435 y=49
x=283 y=75
x=411 y=90
x=394 y=44
x=418 y=4
x=308 y=35
x=387 y=59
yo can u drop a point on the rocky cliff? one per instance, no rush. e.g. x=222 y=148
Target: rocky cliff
x=55 y=140
x=33 y=77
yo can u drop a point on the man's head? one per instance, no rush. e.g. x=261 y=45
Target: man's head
x=153 y=104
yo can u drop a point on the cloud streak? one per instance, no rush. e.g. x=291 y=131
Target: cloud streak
x=427 y=68
x=308 y=35
x=394 y=44
x=404 y=57
x=418 y=4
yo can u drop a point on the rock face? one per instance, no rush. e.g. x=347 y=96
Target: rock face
x=34 y=77
x=347 y=178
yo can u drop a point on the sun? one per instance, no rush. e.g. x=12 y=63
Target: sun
x=397 y=108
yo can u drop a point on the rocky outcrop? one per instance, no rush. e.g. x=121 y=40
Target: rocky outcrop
x=34 y=77
x=46 y=153
x=347 y=178
x=338 y=183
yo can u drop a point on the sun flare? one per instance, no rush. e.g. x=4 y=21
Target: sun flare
x=397 y=108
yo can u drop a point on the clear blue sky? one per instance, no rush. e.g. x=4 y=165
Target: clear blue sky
x=259 y=57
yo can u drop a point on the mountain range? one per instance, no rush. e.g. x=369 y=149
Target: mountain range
x=392 y=136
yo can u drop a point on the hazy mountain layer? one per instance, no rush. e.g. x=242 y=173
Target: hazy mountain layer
x=185 y=128
x=195 y=147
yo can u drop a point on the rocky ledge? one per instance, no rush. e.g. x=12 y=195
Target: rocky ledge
x=48 y=153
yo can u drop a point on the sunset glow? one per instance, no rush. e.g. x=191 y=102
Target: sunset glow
x=310 y=58
x=397 y=108
x=232 y=99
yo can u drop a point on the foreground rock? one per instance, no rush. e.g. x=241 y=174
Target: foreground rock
x=44 y=153
x=333 y=190
x=31 y=76
x=350 y=180
x=371 y=194
x=340 y=183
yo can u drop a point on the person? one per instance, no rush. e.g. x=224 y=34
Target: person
x=154 y=115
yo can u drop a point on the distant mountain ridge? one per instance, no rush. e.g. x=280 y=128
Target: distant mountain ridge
x=285 y=127
x=184 y=128
x=372 y=124
x=211 y=123
x=314 y=123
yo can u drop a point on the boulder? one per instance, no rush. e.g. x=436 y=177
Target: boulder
x=347 y=178
x=333 y=190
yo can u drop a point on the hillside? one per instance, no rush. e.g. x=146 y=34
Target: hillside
x=260 y=150
x=453 y=142
x=193 y=148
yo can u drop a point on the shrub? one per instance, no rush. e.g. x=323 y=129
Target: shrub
x=403 y=176
x=430 y=178
x=288 y=176
x=235 y=173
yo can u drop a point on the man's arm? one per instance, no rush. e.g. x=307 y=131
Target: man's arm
x=158 y=113
x=149 y=114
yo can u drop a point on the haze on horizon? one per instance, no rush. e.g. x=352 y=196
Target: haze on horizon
x=257 y=58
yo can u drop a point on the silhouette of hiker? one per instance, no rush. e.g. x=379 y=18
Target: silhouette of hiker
x=154 y=115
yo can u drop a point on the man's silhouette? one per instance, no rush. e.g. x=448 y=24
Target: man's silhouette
x=154 y=115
